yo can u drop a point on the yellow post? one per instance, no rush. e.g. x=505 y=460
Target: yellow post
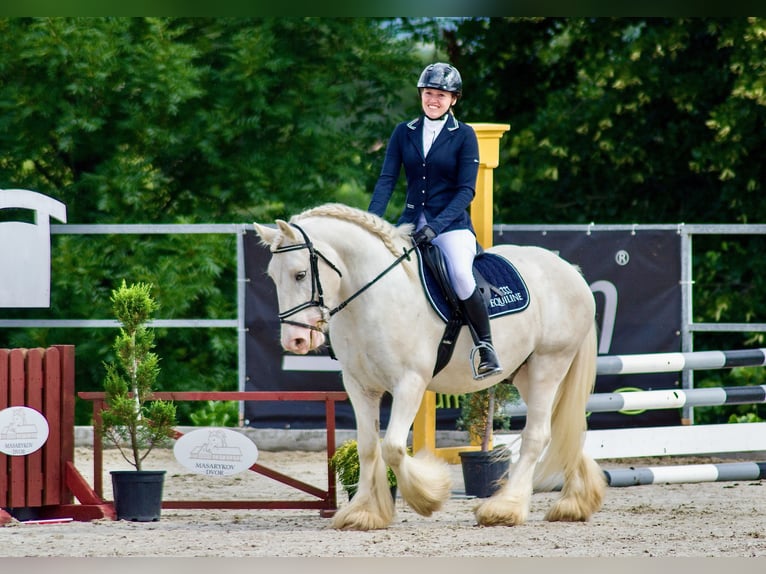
x=489 y=158
x=424 y=426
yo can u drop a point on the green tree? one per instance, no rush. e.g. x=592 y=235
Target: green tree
x=617 y=120
x=185 y=120
x=213 y=120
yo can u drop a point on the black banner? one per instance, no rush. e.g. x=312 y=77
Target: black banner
x=635 y=280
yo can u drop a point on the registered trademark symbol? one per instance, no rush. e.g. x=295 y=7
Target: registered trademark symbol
x=622 y=257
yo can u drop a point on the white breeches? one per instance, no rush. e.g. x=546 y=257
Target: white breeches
x=459 y=249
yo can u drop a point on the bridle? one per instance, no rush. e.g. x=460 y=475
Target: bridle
x=317 y=293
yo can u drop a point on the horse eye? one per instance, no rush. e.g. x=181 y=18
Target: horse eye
x=300 y=276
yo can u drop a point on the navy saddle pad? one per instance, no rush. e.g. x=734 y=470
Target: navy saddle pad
x=507 y=291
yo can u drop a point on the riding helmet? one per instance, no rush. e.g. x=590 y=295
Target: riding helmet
x=441 y=76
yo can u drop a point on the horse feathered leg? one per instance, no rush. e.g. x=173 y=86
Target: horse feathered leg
x=509 y=506
x=584 y=484
x=372 y=507
x=555 y=425
x=423 y=480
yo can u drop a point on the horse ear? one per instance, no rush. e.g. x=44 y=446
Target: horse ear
x=267 y=234
x=288 y=232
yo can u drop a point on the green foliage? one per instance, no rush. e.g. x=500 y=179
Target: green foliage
x=481 y=412
x=728 y=285
x=132 y=421
x=213 y=119
x=185 y=120
x=345 y=463
x=750 y=417
x=619 y=120
x=216 y=414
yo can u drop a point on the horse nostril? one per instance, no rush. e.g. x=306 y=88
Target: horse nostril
x=299 y=343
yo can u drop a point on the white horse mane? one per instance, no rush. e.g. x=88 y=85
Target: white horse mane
x=378 y=226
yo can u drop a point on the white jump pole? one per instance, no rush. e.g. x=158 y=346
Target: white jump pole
x=671 y=441
x=671 y=398
x=672 y=362
x=686 y=473
x=662 y=399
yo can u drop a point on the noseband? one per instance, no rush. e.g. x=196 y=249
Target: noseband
x=317 y=293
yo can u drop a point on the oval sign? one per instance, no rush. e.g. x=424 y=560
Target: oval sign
x=215 y=451
x=23 y=430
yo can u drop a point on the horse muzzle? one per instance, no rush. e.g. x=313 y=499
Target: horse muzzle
x=301 y=338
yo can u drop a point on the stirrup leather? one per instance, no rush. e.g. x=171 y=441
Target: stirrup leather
x=479 y=376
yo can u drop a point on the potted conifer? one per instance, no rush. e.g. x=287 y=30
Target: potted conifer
x=484 y=469
x=131 y=420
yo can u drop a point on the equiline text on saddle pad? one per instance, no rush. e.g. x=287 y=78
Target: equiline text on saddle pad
x=501 y=284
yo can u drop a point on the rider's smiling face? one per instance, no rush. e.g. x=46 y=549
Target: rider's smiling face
x=435 y=102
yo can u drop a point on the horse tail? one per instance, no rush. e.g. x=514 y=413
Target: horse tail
x=583 y=480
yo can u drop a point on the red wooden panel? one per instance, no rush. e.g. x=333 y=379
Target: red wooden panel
x=66 y=427
x=54 y=477
x=4 y=382
x=5 y=470
x=85 y=494
x=34 y=400
x=17 y=397
x=44 y=379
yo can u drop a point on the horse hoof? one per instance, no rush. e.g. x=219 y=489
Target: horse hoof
x=567 y=510
x=355 y=517
x=359 y=522
x=499 y=513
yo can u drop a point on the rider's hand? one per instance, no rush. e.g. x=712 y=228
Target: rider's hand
x=423 y=235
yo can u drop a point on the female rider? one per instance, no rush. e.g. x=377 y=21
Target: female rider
x=440 y=156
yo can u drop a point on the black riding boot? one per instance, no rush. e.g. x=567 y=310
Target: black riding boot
x=478 y=322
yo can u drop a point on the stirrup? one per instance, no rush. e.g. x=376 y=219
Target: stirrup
x=479 y=376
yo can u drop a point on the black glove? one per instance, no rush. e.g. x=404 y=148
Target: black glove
x=423 y=235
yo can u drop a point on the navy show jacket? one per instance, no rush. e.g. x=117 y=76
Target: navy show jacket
x=441 y=185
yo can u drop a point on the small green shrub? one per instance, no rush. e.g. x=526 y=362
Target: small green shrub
x=751 y=417
x=216 y=414
x=481 y=412
x=132 y=421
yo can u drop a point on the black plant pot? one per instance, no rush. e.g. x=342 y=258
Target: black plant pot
x=138 y=494
x=484 y=471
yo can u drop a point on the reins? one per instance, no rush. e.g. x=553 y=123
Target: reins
x=317 y=293
x=397 y=261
